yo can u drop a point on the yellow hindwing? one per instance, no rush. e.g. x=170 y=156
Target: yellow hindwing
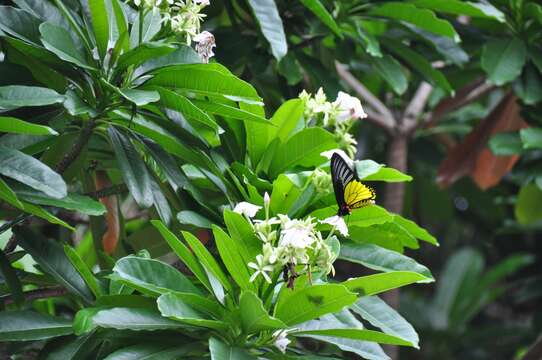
x=357 y=195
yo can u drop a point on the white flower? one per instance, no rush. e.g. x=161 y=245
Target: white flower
x=349 y=107
x=247 y=209
x=269 y=253
x=297 y=233
x=266 y=199
x=202 y=2
x=329 y=153
x=281 y=341
x=338 y=223
x=261 y=268
x=205 y=43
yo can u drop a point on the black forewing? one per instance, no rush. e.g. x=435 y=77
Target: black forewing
x=341 y=174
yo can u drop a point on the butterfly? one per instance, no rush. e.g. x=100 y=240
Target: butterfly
x=350 y=193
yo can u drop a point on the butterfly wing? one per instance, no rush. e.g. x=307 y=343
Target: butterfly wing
x=341 y=175
x=357 y=195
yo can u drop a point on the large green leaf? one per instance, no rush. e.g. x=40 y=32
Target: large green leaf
x=285 y=194
x=182 y=55
x=414 y=229
x=30 y=325
x=506 y=144
x=50 y=256
x=422 y=18
x=242 y=232
x=381 y=315
x=302 y=149
x=58 y=40
x=100 y=24
x=381 y=259
x=142 y=53
x=503 y=59
x=134 y=319
x=457 y=7
x=183 y=253
x=391 y=71
x=528 y=208
x=151 y=26
x=531 y=138
x=363 y=217
x=14 y=96
x=388 y=174
x=10 y=278
x=204 y=79
x=355 y=334
x=254 y=317
x=286 y=119
x=174 y=307
x=320 y=11
x=230 y=112
x=152 y=352
x=17 y=126
x=139 y=97
x=377 y=283
x=268 y=17
x=230 y=253
x=132 y=167
x=151 y=276
x=83 y=270
x=312 y=302
x=222 y=351
x=75 y=202
x=20 y=24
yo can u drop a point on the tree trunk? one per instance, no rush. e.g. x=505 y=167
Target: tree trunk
x=394 y=195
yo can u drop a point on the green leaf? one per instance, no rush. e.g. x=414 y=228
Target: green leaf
x=503 y=59
x=152 y=352
x=377 y=283
x=302 y=149
x=388 y=174
x=254 y=317
x=78 y=348
x=457 y=7
x=222 y=351
x=183 y=253
x=285 y=194
x=173 y=307
x=231 y=257
x=58 y=40
x=528 y=208
x=75 y=202
x=20 y=24
x=531 y=138
x=312 y=302
x=242 y=232
x=190 y=217
x=207 y=260
x=355 y=334
x=286 y=119
x=204 y=79
x=383 y=316
x=320 y=11
x=83 y=320
x=506 y=143
x=366 y=168
x=230 y=112
x=418 y=63
x=83 y=270
x=151 y=276
x=133 y=169
x=15 y=96
x=50 y=256
x=100 y=24
x=9 y=278
x=134 y=319
x=391 y=71
x=182 y=55
x=151 y=26
x=142 y=53
x=363 y=217
x=30 y=325
x=415 y=230
x=167 y=163
x=528 y=87
x=381 y=259
x=268 y=17
x=139 y=97
x=31 y=172
x=17 y=126
x=422 y=18
x=9 y=195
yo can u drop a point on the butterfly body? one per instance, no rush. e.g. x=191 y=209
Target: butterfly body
x=350 y=193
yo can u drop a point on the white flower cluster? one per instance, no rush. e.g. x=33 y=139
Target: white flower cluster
x=289 y=242
x=338 y=114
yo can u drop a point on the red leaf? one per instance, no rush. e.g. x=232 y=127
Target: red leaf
x=472 y=157
x=110 y=238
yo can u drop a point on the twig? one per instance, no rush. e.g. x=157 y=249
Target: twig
x=108 y=191
x=36 y=294
x=19 y=219
x=74 y=152
x=415 y=107
x=384 y=117
x=11 y=244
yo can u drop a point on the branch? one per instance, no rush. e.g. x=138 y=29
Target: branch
x=415 y=107
x=74 y=152
x=37 y=294
x=384 y=117
x=108 y=191
x=469 y=93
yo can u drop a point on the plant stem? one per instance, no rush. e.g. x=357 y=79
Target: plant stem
x=36 y=294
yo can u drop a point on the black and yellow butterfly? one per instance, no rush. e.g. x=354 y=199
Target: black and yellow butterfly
x=349 y=191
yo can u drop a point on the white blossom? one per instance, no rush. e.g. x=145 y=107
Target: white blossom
x=205 y=43
x=266 y=199
x=281 y=340
x=349 y=107
x=338 y=223
x=261 y=268
x=247 y=209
